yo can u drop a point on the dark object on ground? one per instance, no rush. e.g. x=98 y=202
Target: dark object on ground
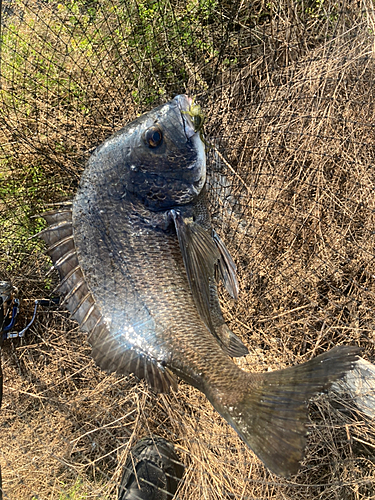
x=152 y=472
x=9 y=308
x=6 y=300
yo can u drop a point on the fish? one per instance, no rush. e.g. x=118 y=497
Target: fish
x=139 y=264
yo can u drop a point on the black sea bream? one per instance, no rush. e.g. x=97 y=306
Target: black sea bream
x=138 y=262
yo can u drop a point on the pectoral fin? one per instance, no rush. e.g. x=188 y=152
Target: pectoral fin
x=200 y=255
x=230 y=343
x=226 y=267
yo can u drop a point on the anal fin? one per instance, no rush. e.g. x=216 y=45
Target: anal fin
x=112 y=355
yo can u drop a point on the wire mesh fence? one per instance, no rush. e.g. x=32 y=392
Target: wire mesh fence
x=288 y=90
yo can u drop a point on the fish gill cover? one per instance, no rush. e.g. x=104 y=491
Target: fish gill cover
x=287 y=91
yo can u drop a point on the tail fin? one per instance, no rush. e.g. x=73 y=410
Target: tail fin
x=271 y=417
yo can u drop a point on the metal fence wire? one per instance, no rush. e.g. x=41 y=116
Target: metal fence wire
x=288 y=93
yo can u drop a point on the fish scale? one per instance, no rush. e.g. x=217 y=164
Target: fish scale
x=154 y=270
x=139 y=263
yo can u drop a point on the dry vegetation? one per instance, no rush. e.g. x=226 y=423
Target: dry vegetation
x=293 y=116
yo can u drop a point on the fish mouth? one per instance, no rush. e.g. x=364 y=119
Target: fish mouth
x=184 y=103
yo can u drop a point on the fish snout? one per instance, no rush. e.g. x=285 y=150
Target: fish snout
x=184 y=103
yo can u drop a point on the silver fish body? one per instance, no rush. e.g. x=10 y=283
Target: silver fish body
x=138 y=258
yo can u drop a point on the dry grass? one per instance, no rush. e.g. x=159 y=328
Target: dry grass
x=295 y=204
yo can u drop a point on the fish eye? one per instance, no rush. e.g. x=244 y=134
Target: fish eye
x=197 y=122
x=153 y=136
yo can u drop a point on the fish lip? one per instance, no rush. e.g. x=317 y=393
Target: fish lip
x=184 y=102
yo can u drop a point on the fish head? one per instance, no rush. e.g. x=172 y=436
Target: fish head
x=159 y=158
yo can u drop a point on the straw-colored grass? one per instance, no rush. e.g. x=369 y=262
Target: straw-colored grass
x=292 y=194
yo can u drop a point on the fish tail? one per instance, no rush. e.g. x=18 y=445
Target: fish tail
x=271 y=414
